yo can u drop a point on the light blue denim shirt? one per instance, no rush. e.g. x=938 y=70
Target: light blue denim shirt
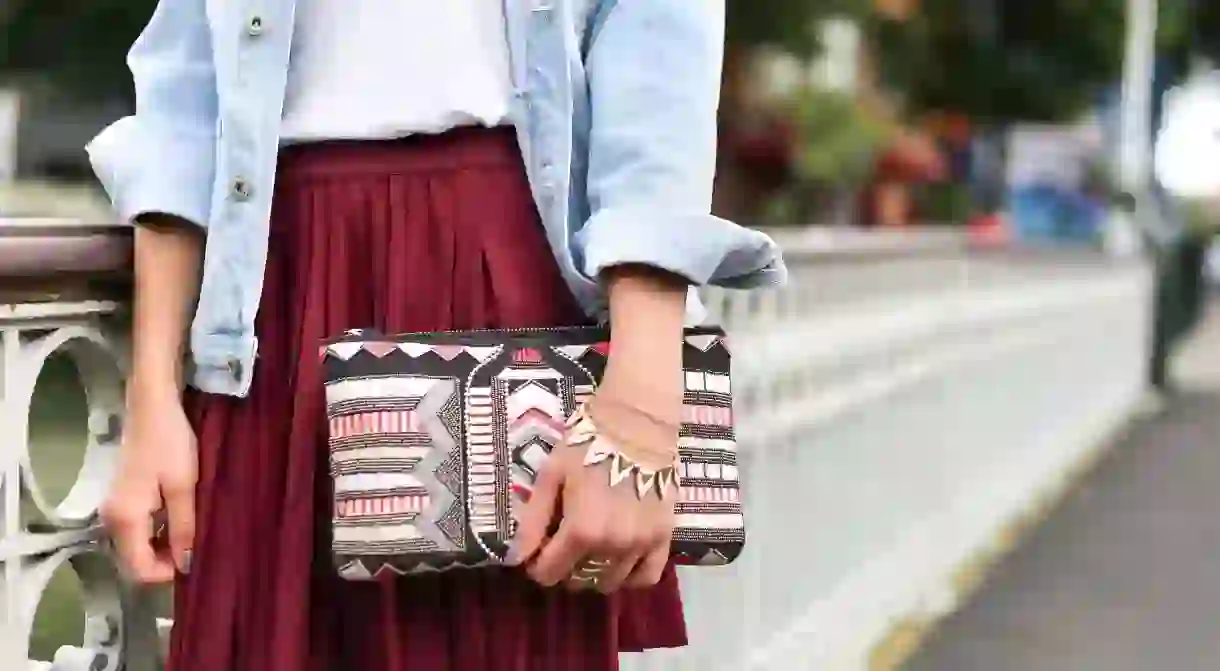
x=615 y=109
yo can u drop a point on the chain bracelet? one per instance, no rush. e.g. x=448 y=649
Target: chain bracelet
x=583 y=432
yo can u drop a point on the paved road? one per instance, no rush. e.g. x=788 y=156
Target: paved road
x=1126 y=575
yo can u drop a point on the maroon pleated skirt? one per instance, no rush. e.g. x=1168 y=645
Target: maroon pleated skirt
x=414 y=235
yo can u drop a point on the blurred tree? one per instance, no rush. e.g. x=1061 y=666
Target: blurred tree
x=80 y=45
x=786 y=24
x=1205 y=30
x=1010 y=59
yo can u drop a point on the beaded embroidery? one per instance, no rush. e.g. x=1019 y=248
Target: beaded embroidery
x=436 y=438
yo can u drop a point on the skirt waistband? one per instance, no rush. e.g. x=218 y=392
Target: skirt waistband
x=458 y=148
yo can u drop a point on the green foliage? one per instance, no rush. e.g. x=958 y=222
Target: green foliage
x=1205 y=28
x=79 y=44
x=1043 y=60
x=943 y=202
x=787 y=24
x=82 y=44
x=838 y=140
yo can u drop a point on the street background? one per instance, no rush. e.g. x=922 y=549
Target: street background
x=903 y=150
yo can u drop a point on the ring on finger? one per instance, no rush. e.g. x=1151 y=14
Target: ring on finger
x=160 y=524
x=590 y=570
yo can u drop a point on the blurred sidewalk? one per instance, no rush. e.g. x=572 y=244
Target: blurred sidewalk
x=1125 y=575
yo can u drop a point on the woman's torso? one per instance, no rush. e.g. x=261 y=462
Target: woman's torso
x=212 y=79
x=449 y=63
x=253 y=42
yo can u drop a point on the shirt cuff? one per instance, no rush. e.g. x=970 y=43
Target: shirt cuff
x=145 y=169
x=702 y=248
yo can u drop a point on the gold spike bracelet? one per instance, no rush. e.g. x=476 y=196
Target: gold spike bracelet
x=583 y=432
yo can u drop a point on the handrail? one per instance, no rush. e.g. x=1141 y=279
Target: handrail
x=32 y=246
x=856 y=244
x=45 y=260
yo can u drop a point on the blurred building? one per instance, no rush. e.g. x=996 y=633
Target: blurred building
x=43 y=132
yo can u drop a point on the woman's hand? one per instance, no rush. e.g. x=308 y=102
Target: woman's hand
x=157 y=471
x=624 y=532
x=624 y=529
x=157 y=464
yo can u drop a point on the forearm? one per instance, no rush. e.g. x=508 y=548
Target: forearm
x=168 y=258
x=647 y=312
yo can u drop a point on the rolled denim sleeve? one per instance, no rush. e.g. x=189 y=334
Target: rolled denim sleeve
x=654 y=79
x=163 y=158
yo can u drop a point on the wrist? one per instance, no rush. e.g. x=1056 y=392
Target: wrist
x=641 y=389
x=658 y=429
x=634 y=432
x=644 y=386
x=647 y=308
x=153 y=385
x=644 y=302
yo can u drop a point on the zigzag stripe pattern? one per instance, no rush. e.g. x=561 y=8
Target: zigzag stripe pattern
x=381 y=443
x=453 y=435
x=433 y=411
x=536 y=414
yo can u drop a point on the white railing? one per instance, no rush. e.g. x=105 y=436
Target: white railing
x=60 y=290
x=902 y=407
x=903 y=400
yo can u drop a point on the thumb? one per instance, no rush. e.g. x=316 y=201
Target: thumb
x=534 y=518
x=180 y=509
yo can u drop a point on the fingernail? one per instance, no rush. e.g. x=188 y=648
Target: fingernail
x=187 y=557
x=522 y=492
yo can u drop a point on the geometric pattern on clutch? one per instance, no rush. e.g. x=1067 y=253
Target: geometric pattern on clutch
x=393 y=457
x=435 y=438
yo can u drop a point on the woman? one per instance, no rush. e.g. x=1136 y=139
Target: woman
x=296 y=169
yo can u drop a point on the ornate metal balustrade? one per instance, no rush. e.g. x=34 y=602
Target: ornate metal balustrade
x=61 y=291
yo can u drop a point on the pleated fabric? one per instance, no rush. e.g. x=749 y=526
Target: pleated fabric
x=421 y=234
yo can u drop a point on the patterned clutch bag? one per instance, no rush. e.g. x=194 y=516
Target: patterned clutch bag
x=435 y=437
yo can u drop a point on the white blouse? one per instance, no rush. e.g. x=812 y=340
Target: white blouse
x=378 y=69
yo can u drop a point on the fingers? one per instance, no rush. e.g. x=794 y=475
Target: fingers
x=558 y=559
x=649 y=571
x=180 y=515
x=616 y=574
x=622 y=546
x=534 y=518
x=131 y=530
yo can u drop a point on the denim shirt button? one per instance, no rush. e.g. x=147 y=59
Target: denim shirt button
x=255 y=27
x=241 y=189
